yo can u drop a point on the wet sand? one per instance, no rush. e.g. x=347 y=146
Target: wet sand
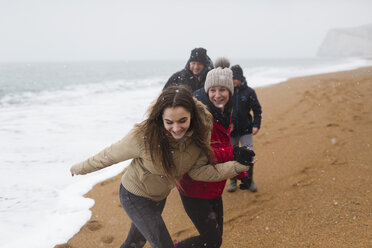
x=314 y=174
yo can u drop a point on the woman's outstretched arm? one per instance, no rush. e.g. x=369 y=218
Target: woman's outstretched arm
x=127 y=148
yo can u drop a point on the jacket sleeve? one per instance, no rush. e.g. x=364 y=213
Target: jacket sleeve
x=122 y=150
x=257 y=112
x=175 y=79
x=224 y=154
x=202 y=171
x=169 y=82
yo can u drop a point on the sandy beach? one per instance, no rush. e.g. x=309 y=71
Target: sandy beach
x=314 y=174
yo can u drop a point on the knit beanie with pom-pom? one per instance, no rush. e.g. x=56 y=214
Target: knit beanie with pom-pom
x=220 y=76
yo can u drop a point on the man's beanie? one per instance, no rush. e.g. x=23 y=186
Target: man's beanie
x=220 y=76
x=237 y=72
x=199 y=55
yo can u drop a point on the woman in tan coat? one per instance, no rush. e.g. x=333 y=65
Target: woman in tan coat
x=172 y=141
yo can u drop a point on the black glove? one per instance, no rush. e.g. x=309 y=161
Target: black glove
x=243 y=155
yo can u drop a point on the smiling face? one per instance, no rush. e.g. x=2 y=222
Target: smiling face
x=219 y=96
x=196 y=67
x=176 y=121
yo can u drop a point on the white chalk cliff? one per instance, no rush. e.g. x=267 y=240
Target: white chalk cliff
x=347 y=42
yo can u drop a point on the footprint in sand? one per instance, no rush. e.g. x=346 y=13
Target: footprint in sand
x=182 y=232
x=266 y=142
x=281 y=129
x=94 y=225
x=260 y=197
x=107 y=239
x=304 y=178
x=251 y=211
x=332 y=125
x=348 y=130
x=306 y=181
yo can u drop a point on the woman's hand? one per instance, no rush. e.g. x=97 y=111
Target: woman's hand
x=255 y=130
x=73 y=171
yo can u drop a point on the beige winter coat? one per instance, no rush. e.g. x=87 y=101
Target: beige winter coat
x=144 y=179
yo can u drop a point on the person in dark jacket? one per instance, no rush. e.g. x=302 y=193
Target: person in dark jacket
x=243 y=124
x=195 y=71
x=202 y=200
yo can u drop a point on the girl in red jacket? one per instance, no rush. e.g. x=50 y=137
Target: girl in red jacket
x=202 y=200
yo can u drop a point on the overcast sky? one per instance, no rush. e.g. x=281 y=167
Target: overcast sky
x=70 y=30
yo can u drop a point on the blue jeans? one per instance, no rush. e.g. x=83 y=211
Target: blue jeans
x=147 y=223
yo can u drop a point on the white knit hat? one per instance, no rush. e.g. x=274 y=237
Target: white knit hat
x=220 y=76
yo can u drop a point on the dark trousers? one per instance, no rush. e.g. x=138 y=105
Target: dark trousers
x=249 y=178
x=207 y=216
x=147 y=223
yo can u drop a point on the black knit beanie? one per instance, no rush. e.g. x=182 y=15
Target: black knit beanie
x=237 y=72
x=199 y=55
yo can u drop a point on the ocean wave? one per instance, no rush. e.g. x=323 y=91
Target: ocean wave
x=74 y=92
x=260 y=76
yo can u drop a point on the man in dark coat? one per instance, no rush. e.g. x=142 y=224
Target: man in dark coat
x=243 y=124
x=195 y=71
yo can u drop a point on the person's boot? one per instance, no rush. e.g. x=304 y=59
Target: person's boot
x=253 y=187
x=232 y=185
x=246 y=183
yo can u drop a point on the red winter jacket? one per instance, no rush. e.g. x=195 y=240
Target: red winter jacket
x=220 y=142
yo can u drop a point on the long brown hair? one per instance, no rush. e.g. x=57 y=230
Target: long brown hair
x=156 y=141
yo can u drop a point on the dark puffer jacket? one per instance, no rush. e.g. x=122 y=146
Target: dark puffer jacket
x=245 y=100
x=186 y=77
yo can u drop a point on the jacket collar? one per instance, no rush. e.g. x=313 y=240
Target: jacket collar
x=243 y=85
x=182 y=143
